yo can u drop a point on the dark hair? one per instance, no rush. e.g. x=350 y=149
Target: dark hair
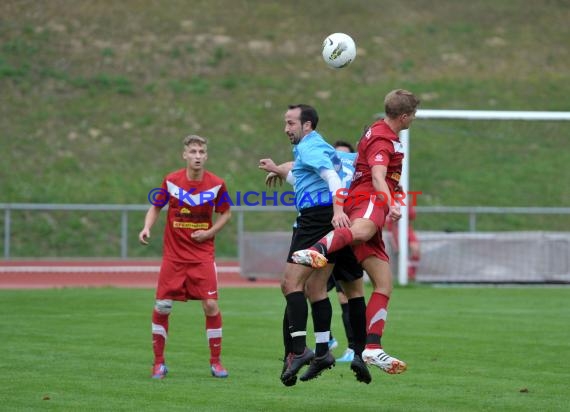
x=339 y=143
x=308 y=114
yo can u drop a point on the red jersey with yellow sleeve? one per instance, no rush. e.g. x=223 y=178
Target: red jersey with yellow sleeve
x=190 y=208
x=379 y=146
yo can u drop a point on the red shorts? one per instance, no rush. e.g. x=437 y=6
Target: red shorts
x=367 y=209
x=187 y=281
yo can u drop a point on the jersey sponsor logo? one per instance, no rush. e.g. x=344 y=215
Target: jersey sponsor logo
x=191 y=198
x=394 y=176
x=185 y=211
x=210 y=292
x=190 y=225
x=368 y=133
x=379 y=158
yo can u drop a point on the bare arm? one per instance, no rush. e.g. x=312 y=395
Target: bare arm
x=273 y=178
x=202 y=235
x=380 y=185
x=149 y=220
x=269 y=166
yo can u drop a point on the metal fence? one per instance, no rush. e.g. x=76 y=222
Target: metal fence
x=471 y=212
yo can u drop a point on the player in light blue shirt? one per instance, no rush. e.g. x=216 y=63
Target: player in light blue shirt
x=315 y=178
x=313 y=157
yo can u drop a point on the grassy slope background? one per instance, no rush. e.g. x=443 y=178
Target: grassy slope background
x=96 y=97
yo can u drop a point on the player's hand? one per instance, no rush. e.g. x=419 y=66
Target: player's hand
x=395 y=214
x=143 y=236
x=268 y=165
x=340 y=220
x=273 y=179
x=201 y=235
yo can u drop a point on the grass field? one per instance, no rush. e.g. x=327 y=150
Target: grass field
x=468 y=349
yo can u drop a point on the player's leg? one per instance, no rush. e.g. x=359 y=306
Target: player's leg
x=376 y=314
x=343 y=303
x=214 y=335
x=350 y=290
x=170 y=287
x=202 y=284
x=361 y=230
x=321 y=309
x=356 y=311
x=354 y=291
x=288 y=346
x=332 y=284
x=292 y=286
x=312 y=224
x=348 y=354
x=160 y=314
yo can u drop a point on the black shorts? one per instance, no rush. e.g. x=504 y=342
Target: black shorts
x=313 y=223
x=346 y=269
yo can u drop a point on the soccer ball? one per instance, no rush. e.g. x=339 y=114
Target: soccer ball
x=339 y=50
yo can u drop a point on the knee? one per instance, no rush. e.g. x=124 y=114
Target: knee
x=210 y=307
x=354 y=289
x=163 y=306
x=363 y=232
x=291 y=284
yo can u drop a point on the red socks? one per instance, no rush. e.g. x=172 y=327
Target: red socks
x=159 y=335
x=214 y=334
x=376 y=313
x=334 y=240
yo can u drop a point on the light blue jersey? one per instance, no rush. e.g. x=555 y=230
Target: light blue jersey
x=345 y=168
x=344 y=165
x=311 y=156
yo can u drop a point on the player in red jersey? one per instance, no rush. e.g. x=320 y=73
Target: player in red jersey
x=369 y=203
x=413 y=242
x=188 y=271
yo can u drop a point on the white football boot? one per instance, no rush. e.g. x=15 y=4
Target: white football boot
x=387 y=363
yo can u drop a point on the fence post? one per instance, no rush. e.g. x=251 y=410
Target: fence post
x=472 y=222
x=240 y=225
x=7 y=223
x=124 y=233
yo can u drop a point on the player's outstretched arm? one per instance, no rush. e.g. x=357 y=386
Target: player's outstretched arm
x=276 y=178
x=269 y=166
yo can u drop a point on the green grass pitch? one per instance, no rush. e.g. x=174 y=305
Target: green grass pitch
x=468 y=349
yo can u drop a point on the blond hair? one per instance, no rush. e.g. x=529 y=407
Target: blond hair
x=195 y=139
x=399 y=102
